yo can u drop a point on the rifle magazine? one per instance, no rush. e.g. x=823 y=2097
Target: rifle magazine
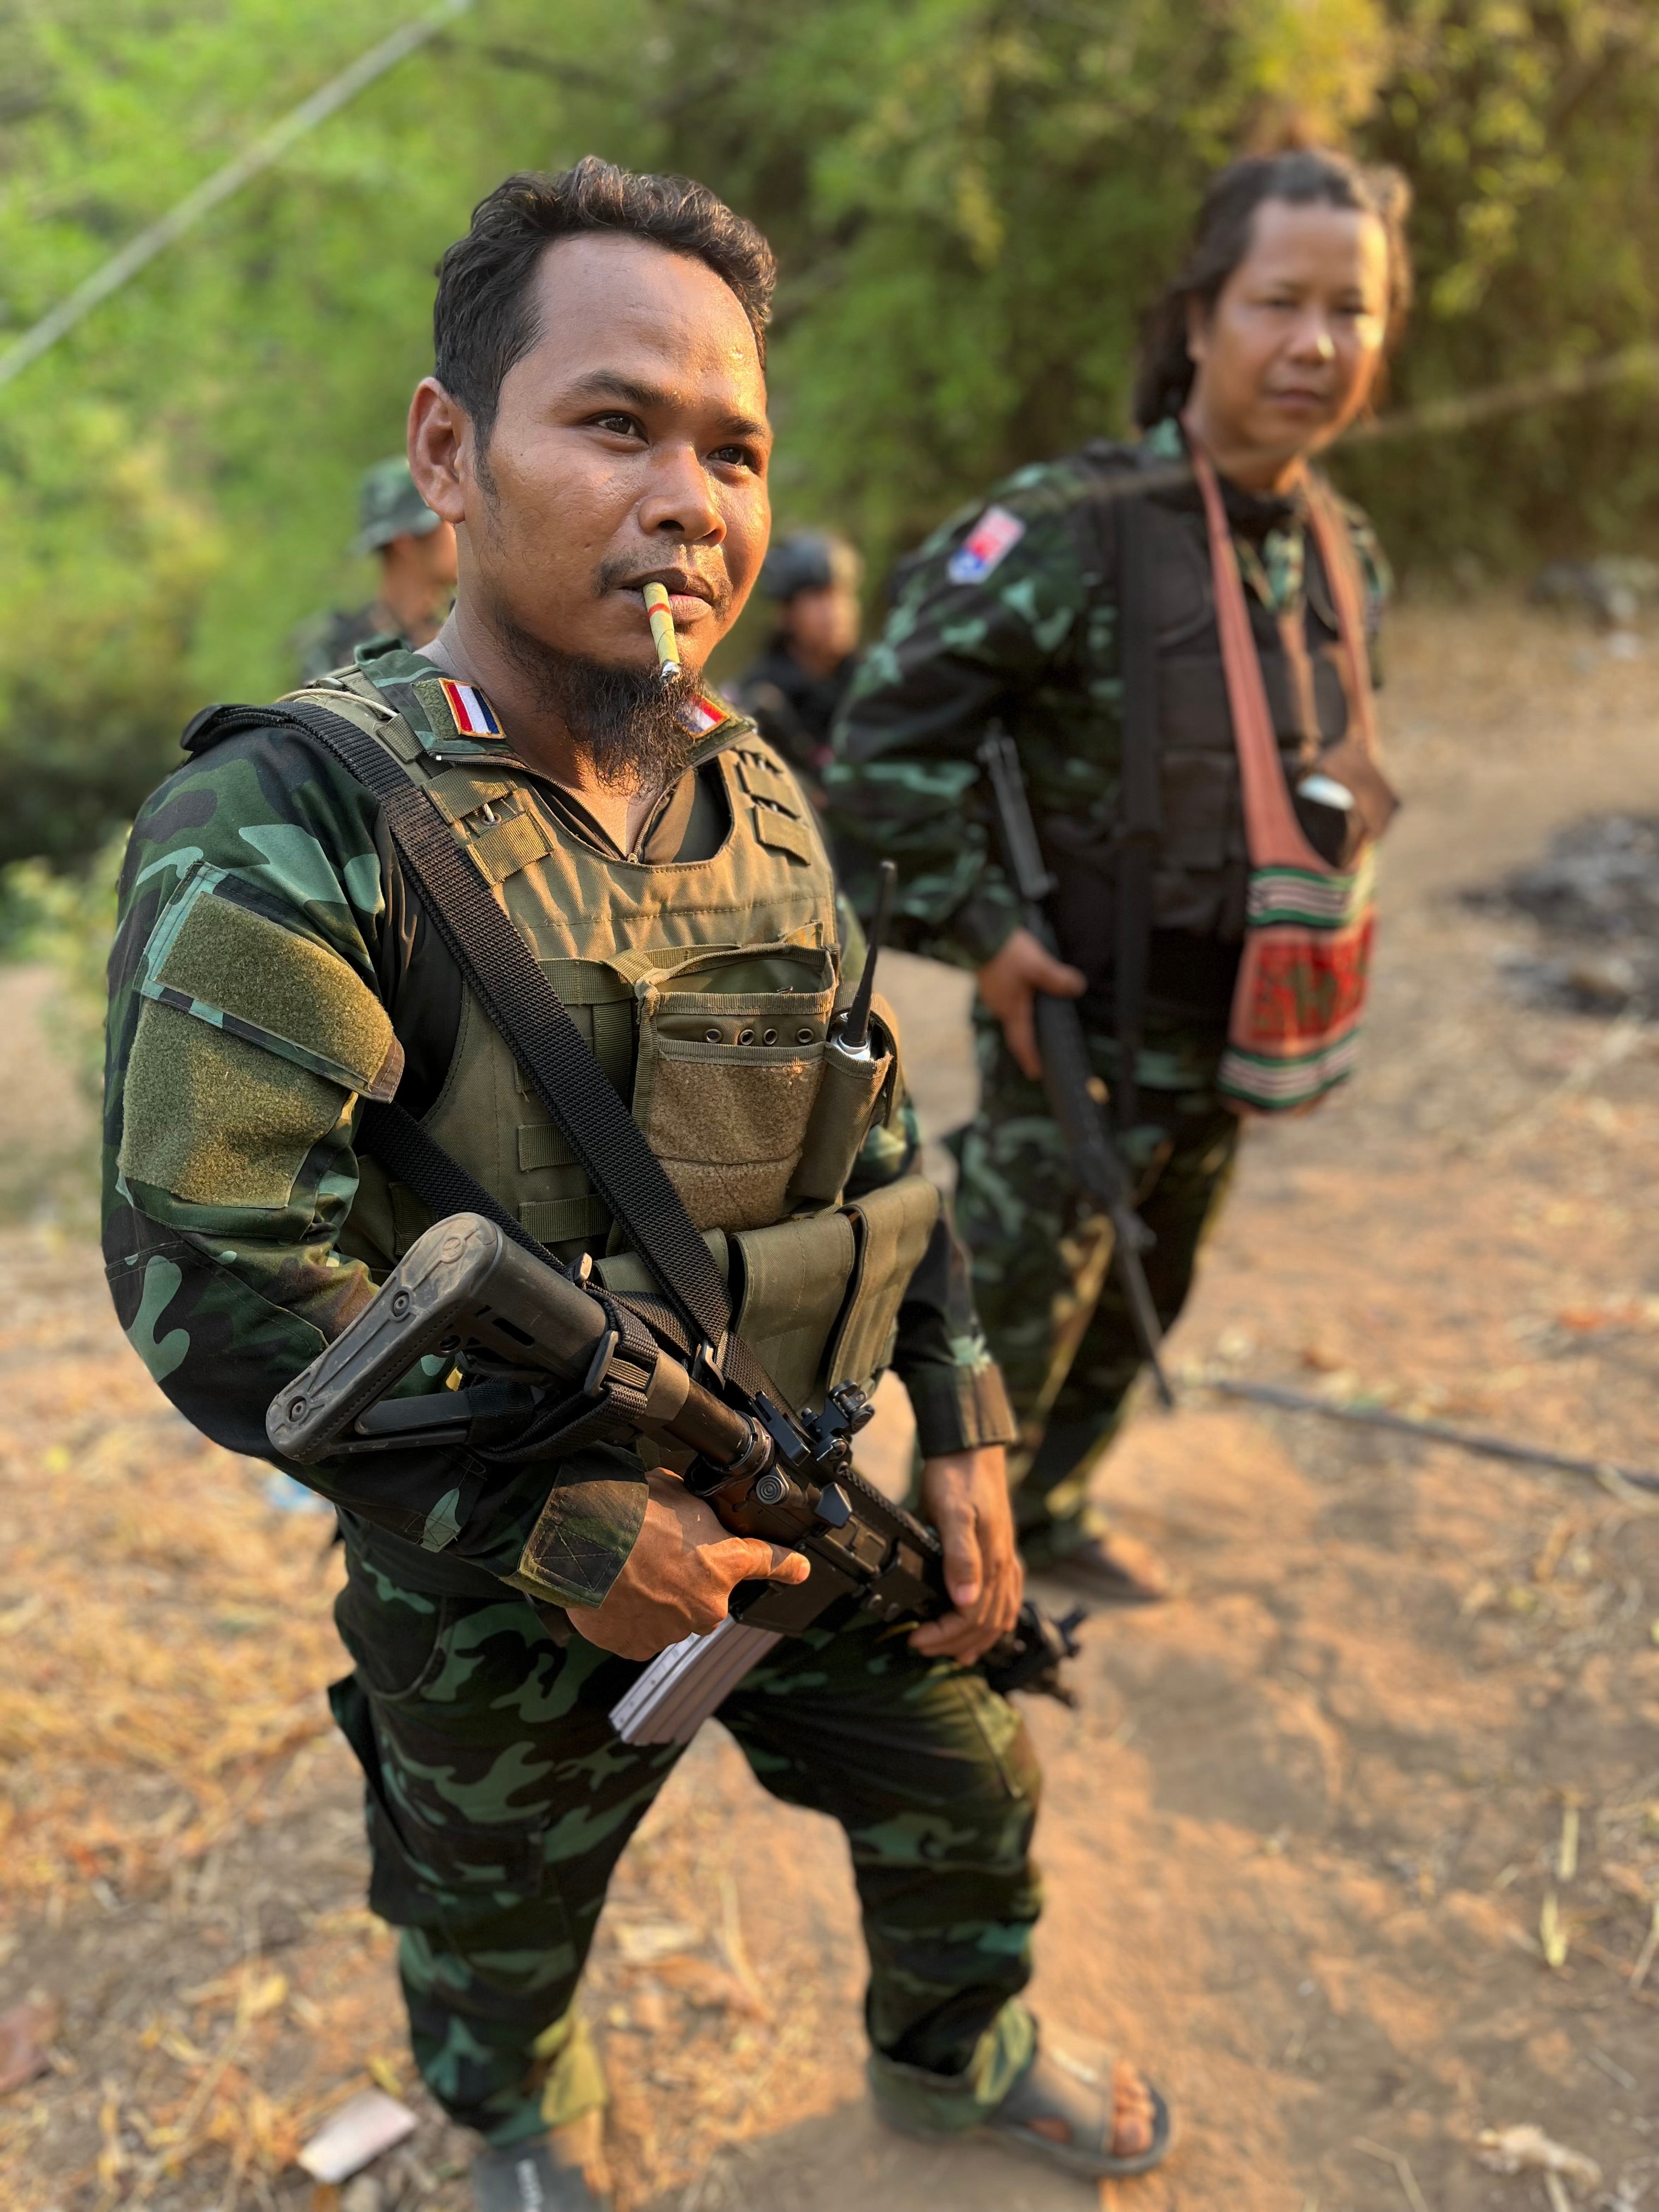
x=683 y=1684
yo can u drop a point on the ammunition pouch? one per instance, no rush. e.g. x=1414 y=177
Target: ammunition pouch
x=729 y=1063
x=816 y=1297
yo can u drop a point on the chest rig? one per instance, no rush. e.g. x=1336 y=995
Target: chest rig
x=705 y=990
x=1200 y=868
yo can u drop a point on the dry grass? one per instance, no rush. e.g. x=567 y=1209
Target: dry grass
x=165 y=1637
x=165 y=1653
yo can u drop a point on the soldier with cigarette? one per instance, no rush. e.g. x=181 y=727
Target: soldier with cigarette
x=308 y=1068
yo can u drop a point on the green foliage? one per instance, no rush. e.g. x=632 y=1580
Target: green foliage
x=975 y=205
x=973 y=201
x=67 y=918
x=93 y=631
x=1529 y=133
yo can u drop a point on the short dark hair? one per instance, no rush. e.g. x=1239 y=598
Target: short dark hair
x=483 y=319
x=1221 y=238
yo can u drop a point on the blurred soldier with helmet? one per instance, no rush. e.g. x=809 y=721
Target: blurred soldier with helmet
x=794 y=691
x=417 y=574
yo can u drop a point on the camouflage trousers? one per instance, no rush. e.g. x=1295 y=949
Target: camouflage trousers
x=499 y=1799
x=1051 y=1305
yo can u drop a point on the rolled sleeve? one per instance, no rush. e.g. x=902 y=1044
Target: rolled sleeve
x=955 y=1387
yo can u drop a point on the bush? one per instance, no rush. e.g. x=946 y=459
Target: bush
x=67 y=920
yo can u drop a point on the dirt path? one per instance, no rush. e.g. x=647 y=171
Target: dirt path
x=1309 y=1831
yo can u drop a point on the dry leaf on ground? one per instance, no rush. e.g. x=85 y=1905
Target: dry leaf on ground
x=1524 y=2149
x=644 y=1943
x=25 y=2032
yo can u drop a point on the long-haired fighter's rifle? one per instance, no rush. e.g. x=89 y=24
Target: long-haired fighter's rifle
x=519 y=1328
x=1067 y=1076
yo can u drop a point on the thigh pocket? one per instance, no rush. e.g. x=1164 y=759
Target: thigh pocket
x=395 y=1636
x=434 y=1867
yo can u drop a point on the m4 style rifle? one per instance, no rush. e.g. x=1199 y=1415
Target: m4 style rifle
x=1067 y=1076
x=541 y=1356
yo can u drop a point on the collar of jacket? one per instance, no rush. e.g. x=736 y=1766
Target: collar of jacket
x=1252 y=514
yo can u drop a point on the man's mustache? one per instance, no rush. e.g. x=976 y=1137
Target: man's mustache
x=622 y=576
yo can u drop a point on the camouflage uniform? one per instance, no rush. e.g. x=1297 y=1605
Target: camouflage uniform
x=498 y=1796
x=501 y=1798
x=328 y=641
x=1029 y=635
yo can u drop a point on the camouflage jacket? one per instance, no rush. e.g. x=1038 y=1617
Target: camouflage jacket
x=229 y=1253
x=1004 y=614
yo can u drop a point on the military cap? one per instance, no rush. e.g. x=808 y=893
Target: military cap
x=810 y=561
x=388 y=507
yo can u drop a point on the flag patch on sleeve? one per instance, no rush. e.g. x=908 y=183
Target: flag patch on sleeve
x=474 y=716
x=991 y=539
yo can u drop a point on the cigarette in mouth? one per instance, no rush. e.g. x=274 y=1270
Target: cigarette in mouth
x=662 y=630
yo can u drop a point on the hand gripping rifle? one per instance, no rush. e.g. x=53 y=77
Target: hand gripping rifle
x=1067 y=1076
x=465 y=1291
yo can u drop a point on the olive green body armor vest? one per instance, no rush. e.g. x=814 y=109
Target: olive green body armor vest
x=706 y=990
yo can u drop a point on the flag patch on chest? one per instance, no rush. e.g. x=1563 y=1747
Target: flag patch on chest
x=473 y=714
x=992 y=537
x=700 y=715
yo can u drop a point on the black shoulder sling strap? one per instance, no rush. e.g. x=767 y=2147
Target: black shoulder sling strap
x=539 y=1032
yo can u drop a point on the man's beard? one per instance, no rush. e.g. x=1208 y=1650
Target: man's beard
x=626 y=722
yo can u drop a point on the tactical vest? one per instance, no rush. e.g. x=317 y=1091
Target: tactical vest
x=706 y=990
x=1202 y=868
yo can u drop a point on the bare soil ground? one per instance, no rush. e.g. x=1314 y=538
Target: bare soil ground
x=1356 y=1844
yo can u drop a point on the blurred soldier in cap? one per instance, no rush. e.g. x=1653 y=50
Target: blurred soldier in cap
x=794 y=691
x=417 y=574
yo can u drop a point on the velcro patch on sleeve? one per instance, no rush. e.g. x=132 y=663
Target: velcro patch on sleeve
x=214 y=1120
x=581 y=1542
x=237 y=971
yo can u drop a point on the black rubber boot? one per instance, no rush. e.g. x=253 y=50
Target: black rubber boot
x=528 y=2177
